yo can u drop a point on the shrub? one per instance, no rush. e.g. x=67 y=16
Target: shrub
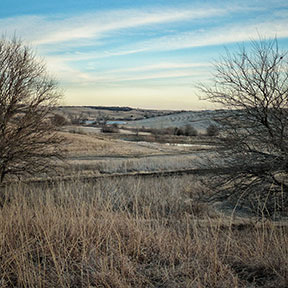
x=59 y=120
x=190 y=131
x=187 y=130
x=212 y=130
x=110 y=129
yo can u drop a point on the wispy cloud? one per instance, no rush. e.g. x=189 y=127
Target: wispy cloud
x=125 y=47
x=149 y=72
x=149 y=76
x=161 y=66
x=94 y=25
x=230 y=33
x=47 y=30
x=65 y=32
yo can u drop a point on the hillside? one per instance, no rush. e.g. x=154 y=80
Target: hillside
x=200 y=120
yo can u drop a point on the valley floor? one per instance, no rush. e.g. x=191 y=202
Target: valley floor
x=131 y=230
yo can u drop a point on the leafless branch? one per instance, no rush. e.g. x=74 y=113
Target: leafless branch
x=28 y=141
x=253 y=83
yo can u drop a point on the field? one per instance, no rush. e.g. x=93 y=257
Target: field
x=139 y=118
x=124 y=156
x=128 y=210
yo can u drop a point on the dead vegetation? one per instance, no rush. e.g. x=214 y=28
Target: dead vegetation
x=28 y=142
x=82 y=143
x=133 y=232
x=253 y=80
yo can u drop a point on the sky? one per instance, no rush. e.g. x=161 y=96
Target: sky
x=142 y=54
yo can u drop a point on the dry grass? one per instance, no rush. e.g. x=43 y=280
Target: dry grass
x=132 y=232
x=81 y=143
x=89 y=153
x=156 y=163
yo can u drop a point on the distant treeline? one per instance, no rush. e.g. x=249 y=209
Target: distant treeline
x=110 y=108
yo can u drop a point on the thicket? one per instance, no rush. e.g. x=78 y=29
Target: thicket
x=187 y=130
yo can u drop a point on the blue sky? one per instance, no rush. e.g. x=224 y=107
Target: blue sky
x=147 y=54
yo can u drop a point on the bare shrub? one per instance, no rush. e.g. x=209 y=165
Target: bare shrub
x=110 y=129
x=187 y=130
x=190 y=130
x=212 y=130
x=58 y=120
x=28 y=141
x=253 y=82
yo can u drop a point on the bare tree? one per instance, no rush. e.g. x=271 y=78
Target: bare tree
x=253 y=83
x=28 y=141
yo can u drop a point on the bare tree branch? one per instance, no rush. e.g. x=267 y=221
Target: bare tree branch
x=28 y=141
x=253 y=83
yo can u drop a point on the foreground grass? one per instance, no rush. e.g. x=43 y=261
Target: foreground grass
x=132 y=233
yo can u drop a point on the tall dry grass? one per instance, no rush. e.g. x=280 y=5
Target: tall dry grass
x=132 y=232
x=148 y=164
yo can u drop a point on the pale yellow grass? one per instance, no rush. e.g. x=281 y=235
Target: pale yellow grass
x=93 y=144
x=132 y=233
